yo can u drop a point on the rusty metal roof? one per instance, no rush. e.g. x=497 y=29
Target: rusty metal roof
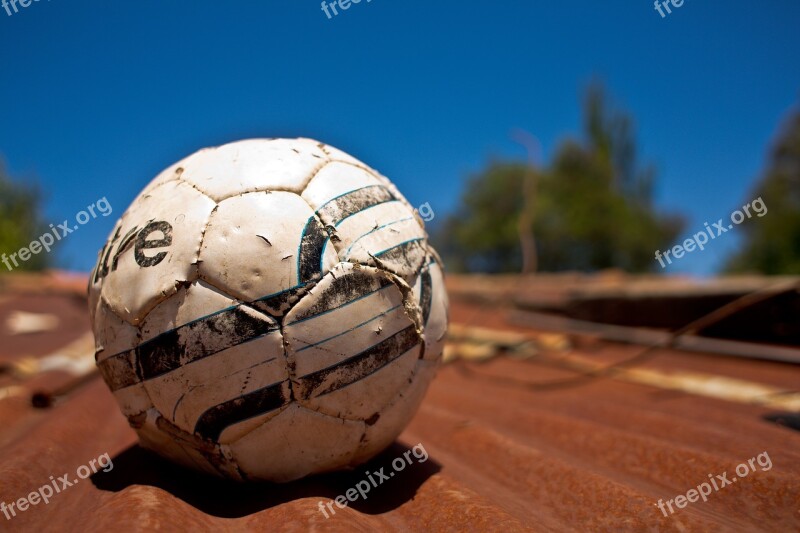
x=522 y=430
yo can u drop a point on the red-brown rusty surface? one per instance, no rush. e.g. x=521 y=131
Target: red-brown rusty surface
x=595 y=455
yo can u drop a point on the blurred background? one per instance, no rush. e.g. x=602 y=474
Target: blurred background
x=660 y=124
x=559 y=146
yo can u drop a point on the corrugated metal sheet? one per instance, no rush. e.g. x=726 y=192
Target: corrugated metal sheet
x=507 y=451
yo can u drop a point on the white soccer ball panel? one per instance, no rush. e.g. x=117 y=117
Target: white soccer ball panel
x=366 y=398
x=334 y=154
x=296 y=443
x=430 y=292
x=112 y=335
x=358 y=208
x=336 y=180
x=265 y=247
x=238 y=430
x=201 y=396
x=213 y=356
x=350 y=310
x=93 y=297
x=155 y=249
x=350 y=343
x=133 y=400
x=387 y=235
x=210 y=396
x=254 y=165
x=381 y=432
x=225 y=392
x=191 y=302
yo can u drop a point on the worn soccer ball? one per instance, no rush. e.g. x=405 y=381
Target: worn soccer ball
x=268 y=309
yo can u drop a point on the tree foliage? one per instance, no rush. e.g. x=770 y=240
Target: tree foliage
x=772 y=242
x=20 y=220
x=593 y=207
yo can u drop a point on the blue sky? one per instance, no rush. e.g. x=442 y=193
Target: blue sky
x=97 y=97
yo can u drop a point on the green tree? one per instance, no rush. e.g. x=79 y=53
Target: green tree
x=593 y=206
x=20 y=220
x=772 y=242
